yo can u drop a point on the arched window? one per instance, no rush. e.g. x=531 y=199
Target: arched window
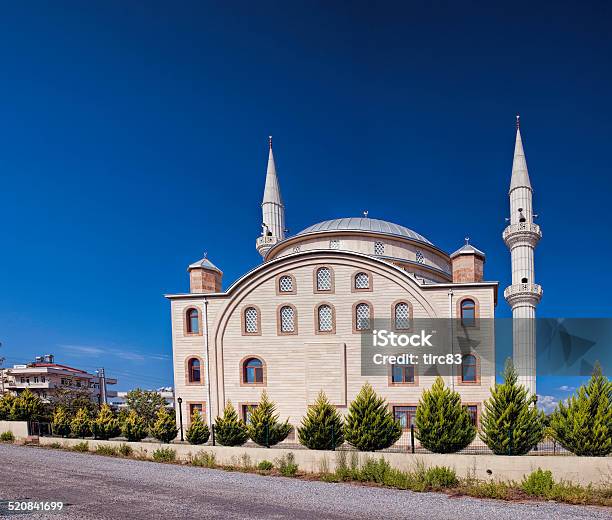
x=287 y=319
x=362 y=316
x=251 y=320
x=285 y=284
x=468 y=313
x=194 y=374
x=324 y=279
x=193 y=321
x=469 y=369
x=325 y=318
x=401 y=316
x=362 y=281
x=253 y=371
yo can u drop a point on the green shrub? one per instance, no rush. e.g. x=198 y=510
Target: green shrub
x=105 y=425
x=164 y=428
x=55 y=445
x=286 y=465
x=134 y=427
x=198 y=432
x=125 y=450
x=265 y=465
x=441 y=477
x=322 y=428
x=164 y=455
x=111 y=451
x=370 y=425
x=538 y=484
x=80 y=426
x=491 y=489
x=60 y=422
x=146 y=404
x=511 y=423
x=374 y=470
x=443 y=424
x=7 y=437
x=584 y=425
x=264 y=427
x=26 y=407
x=81 y=446
x=6 y=406
x=204 y=459
x=230 y=430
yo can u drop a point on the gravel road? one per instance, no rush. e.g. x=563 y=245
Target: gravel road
x=96 y=487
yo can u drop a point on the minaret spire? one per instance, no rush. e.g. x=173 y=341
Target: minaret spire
x=273 y=210
x=521 y=237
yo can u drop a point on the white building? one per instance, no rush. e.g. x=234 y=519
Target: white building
x=166 y=392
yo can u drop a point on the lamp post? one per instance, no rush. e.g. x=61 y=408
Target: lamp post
x=180 y=407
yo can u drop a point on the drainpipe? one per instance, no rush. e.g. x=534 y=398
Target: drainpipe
x=450 y=315
x=209 y=404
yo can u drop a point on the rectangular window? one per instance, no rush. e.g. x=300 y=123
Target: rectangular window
x=247 y=410
x=36 y=379
x=473 y=411
x=402 y=374
x=42 y=379
x=195 y=406
x=405 y=415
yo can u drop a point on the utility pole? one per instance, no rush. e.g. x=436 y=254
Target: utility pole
x=102 y=385
x=1 y=374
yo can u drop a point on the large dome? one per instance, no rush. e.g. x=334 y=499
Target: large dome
x=365 y=224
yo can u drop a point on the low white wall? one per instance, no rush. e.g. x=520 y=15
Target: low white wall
x=19 y=428
x=580 y=470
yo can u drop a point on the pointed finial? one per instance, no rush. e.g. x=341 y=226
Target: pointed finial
x=365 y=213
x=270 y=141
x=518 y=121
x=467 y=241
x=205 y=254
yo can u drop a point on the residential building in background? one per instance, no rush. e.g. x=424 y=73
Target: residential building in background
x=167 y=392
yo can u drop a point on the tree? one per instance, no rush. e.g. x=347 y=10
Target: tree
x=72 y=400
x=511 y=424
x=584 y=425
x=198 y=432
x=443 y=424
x=230 y=430
x=370 y=425
x=133 y=427
x=146 y=403
x=60 y=423
x=264 y=427
x=105 y=425
x=6 y=406
x=80 y=426
x=322 y=427
x=164 y=428
x=27 y=407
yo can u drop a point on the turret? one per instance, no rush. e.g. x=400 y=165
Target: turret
x=468 y=264
x=204 y=277
x=272 y=208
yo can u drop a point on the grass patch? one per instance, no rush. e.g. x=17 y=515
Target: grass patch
x=7 y=437
x=81 y=447
x=125 y=450
x=286 y=465
x=164 y=455
x=204 y=459
x=109 y=451
x=265 y=465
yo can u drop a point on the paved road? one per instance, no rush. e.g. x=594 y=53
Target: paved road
x=101 y=488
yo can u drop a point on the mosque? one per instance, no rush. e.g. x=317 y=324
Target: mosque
x=293 y=325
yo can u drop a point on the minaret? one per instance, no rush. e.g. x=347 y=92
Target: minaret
x=521 y=236
x=273 y=210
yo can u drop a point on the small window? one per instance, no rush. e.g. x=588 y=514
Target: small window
x=362 y=316
x=334 y=244
x=469 y=369
x=362 y=281
x=253 y=372
x=401 y=316
x=251 y=320
x=194 y=370
x=193 y=321
x=287 y=319
x=379 y=248
x=195 y=408
x=406 y=415
x=285 y=284
x=402 y=374
x=247 y=410
x=324 y=279
x=325 y=318
x=473 y=411
x=468 y=313
x=420 y=258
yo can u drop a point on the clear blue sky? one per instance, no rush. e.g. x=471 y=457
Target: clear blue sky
x=134 y=137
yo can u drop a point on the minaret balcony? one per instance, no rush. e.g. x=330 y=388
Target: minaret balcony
x=522 y=232
x=266 y=241
x=531 y=292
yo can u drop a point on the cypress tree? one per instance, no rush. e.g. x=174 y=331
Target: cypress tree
x=443 y=423
x=60 y=423
x=322 y=427
x=264 y=427
x=80 y=426
x=134 y=427
x=198 y=431
x=6 y=406
x=105 y=425
x=230 y=430
x=164 y=428
x=584 y=425
x=370 y=425
x=511 y=424
x=26 y=407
